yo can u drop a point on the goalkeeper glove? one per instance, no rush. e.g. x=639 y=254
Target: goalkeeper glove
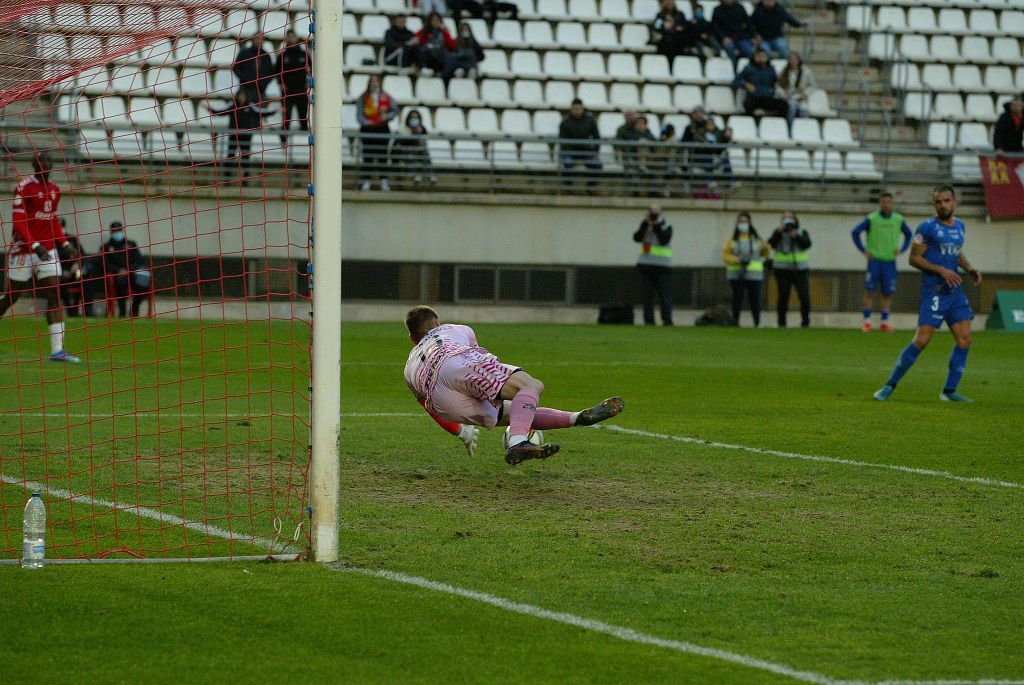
x=468 y=435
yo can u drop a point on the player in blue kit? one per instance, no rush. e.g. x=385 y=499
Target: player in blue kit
x=937 y=251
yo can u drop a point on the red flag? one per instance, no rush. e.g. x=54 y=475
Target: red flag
x=1004 y=186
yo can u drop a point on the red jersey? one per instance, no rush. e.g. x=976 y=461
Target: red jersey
x=35 y=216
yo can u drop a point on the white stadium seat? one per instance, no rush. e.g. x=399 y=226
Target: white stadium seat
x=891 y=18
x=495 y=92
x=688 y=69
x=559 y=91
x=1006 y=51
x=974 y=136
x=796 y=162
x=507 y=33
x=163 y=81
x=546 y=122
x=585 y=10
x=571 y=35
x=999 y=79
x=773 y=130
x=635 y=34
x=905 y=76
x=557 y=64
x=430 y=91
x=624 y=95
x=952 y=21
x=537 y=34
x=937 y=77
x=623 y=67
x=657 y=97
x=516 y=122
x=975 y=49
x=482 y=121
x=594 y=95
x=949 y=106
x=615 y=10
x=967 y=78
x=944 y=49
x=918 y=106
x=744 y=129
x=608 y=123
x=807 y=131
x=591 y=65
x=526 y=93
x=449 y=120
x=687 y=97
x=984 y=22
x=942 y=135
x=655 y=67
x=400 y=87
x=603 y=35
x=979 y=107
x=1011 y=22
x=837 y=132
x=495 y=63
x=914 y=48
x=461 y=91
x=719 y=70
x=921 y=20
x=861 y=164
x=720 y=99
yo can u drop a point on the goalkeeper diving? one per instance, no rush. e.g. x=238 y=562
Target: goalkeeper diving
x=462 y=386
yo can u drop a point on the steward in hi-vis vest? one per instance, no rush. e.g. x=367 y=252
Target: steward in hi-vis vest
x=744 y=256
x=655 y=265
x=790 y=266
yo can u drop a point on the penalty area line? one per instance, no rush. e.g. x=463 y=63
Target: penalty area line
x=975 y=480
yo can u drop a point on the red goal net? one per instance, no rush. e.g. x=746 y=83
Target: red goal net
x=155 y=223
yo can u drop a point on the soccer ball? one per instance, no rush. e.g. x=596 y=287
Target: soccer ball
x=535 y=437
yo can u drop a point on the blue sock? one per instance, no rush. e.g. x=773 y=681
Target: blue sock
x=885 y=315
x=907 y=358
x=957 y=363
x=867 y=315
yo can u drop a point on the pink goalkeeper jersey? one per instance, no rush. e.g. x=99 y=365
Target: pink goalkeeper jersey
x=436 y=347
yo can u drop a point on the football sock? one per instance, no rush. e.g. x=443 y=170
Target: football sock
x=885 y=315
x=56 y=337
x=521 y=414
x=867 y=316
x=546 y=419
x=903 y=364
x=957 y=363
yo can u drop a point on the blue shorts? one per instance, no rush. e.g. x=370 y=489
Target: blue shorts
x=880 y=275
x=938 y=306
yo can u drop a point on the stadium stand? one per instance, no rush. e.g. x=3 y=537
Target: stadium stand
x=937 y=75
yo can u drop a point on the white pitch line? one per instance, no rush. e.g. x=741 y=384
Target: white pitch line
x=158 y=413
x=977 y=480
x=618 y=632
x=145 y=512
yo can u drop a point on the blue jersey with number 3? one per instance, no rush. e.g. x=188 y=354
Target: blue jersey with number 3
x=943 y=243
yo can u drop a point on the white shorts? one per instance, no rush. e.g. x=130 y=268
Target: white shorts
x=468 y=388
x=21 y=267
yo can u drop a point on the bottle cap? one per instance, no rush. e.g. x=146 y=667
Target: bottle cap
x=36 y=494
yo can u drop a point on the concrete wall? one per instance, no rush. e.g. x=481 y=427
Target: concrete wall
x=536 y=233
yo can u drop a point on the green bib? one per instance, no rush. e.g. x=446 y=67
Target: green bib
x=884 y=235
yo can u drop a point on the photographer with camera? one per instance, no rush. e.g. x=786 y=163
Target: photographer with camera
x=789 y=262
x=744 y=256
x=655 y=265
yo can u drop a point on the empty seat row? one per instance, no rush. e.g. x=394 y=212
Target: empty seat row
x=162 y=82
x=560 y=10
x=949 y=20
x=963 y=78
x=143 y=18
x=951 y=106
x=945 y=135
x=190 y=145
x=947 y=49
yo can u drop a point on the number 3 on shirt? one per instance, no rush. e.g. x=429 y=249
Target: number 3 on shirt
x=935 y=303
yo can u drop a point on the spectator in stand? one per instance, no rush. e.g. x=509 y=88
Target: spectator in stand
x=724 y=163
x=254 y=67
x=470 y=7
x=399 y=50
x=636 y=152
x=668 y=30
x=663 y=160
x=692 y=134
x=375 y=109
x=702 y=33
x=579 y=125
x=704 y=155
x=744 y=256
x=758 y=79
x=411 y=148
x=428 y=7
x=732 y=23
x=466 y=56
x=796 y=83
x=791 y=268
x=131 y=275
x=244 y=117
x=1008 y=134
x=435 y=44
x=768 y=21
x=293 y=70
x=493 y=9
x=625 y=132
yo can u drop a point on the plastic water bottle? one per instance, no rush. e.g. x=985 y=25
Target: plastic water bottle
x=33 y=546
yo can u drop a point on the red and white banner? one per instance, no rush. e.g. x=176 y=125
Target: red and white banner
x=1004 y=186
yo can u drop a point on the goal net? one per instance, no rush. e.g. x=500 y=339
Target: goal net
x=180 y=172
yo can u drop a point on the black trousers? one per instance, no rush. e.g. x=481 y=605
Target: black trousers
x=776 y=106
x=753 y=291
x=786 y=279
x=656 y=280
x=300 y=103
x=375 y=150
x=125 y=289
x=240 y=150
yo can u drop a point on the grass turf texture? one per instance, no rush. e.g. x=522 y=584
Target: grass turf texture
x=847 y=571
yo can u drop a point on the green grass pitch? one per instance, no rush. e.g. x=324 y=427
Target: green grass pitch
x=843 y=570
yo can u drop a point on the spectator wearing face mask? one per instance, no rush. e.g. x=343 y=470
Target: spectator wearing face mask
x=466 y=55
x=411 y=150
x=789 y=264
x=124 y=264
x=744 y=256
x=758 y=81
x=702 y=34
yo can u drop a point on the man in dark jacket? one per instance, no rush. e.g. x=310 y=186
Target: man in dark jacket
x=758 y=81
x=397 y=50
x=791 y=243
x=702 y=33
x=579 y=125
x=293 y=70
x=254 y=67
x=768 y=20
x=132 y=277
x=655 y=265
x=1008 y=135
x=732 y=23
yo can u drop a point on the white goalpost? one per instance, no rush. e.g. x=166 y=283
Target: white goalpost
x=325 y=233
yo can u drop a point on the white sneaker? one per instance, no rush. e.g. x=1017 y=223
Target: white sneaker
x=384 y=185
x=365 y=187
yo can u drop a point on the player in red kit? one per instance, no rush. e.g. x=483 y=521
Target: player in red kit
x=33 y=263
